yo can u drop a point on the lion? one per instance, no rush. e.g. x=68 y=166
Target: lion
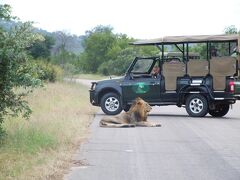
x=136 y=116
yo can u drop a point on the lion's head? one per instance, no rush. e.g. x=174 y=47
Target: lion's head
x=141 y=108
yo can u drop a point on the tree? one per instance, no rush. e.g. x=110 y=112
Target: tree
x=231 y=30
x=61 y=54
x=42 y=49
x=97 y=44
x=109 y=53
x=124 y=57
x=16 y=71
x=5 y=12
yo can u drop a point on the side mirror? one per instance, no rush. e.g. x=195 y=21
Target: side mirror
x=236 y=50
x=131 y=76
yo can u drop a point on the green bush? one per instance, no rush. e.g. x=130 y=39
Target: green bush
x=69 y=70
x=48 y=71
x=16 y=71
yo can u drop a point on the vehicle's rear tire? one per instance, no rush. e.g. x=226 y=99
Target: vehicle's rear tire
x=220 y=110
x=196 y=105
x=111 y=104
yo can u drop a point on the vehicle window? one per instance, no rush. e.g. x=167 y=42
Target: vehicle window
x=222 y=49
x=142 y=66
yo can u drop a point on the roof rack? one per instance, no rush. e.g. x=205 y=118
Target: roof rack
x=188 y=39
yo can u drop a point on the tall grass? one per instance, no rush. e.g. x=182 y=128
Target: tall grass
x=40 y=148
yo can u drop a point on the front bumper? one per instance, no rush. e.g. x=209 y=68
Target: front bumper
x=92 y=97
x=237 y=96
x=92 y=92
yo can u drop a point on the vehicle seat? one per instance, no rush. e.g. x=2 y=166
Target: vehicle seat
x=171 y=71
x=220 y=68
x=197 y=67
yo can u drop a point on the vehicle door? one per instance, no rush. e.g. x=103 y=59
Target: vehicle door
x=139 y=82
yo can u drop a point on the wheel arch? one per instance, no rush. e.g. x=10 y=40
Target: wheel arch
x=185 y=92
x=109 y=90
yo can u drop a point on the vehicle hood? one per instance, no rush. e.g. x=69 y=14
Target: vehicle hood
x=117 y=80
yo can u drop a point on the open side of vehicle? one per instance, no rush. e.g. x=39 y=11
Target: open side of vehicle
x=203 y=85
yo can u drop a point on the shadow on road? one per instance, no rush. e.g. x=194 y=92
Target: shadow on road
x=180 y=116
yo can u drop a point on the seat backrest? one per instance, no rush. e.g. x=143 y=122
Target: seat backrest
x=197 y=67
x=171 y=71
x=220 y=68
x=223 y=66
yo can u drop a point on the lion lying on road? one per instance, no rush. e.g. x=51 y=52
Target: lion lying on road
x=136 y=116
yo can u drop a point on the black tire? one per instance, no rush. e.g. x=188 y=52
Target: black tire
x=220 y=110
x=126 y=108
x=111 y=104
x=196 y=105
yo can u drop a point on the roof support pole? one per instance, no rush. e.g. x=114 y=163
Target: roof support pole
x=229 y=48
x=208 y=49
x=162 y=51
x=159 y=47
x=179 y=48
x=187 y=59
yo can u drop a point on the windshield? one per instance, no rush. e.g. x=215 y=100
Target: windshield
x=142 y=66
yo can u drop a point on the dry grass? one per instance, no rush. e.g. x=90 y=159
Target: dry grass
x=41 y=147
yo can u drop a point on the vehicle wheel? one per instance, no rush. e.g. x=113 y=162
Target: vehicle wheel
x=196 y=105
x=126 y=108
x=220 y=110
x=111 y=104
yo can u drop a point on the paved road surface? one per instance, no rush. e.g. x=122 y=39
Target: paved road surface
x=184 y=148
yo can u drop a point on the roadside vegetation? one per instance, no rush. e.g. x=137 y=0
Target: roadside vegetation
x=41 y=147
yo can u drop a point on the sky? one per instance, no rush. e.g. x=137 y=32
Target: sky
x=140 y=19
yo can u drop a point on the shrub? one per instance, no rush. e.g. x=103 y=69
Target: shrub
x=69 y=70
x=48 y=71
x=16 y=71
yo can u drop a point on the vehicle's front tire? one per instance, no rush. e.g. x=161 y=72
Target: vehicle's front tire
x=111 y=104
x=196 y=105
x=220 y=110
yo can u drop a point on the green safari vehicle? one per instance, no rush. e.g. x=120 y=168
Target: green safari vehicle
x=206 y=84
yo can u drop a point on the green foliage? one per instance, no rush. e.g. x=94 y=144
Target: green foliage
x=30 y=140
x=2 y=135
x=69 y=70
x=64 y=57
x=109 y=53
x=5 y=12
x=120 y=64
x=231 y=30
x=48 y=72
x=199 y=48
x=97 y=45
x=15 y=70
x=42 y=49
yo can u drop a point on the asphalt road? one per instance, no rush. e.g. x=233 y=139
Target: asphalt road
x=184 y=148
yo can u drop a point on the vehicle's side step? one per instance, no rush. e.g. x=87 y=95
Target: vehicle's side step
x=162 y=103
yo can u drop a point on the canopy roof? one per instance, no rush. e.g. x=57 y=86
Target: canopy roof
x=188 y=39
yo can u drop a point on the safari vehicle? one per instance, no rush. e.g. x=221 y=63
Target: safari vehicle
x=202 y=85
